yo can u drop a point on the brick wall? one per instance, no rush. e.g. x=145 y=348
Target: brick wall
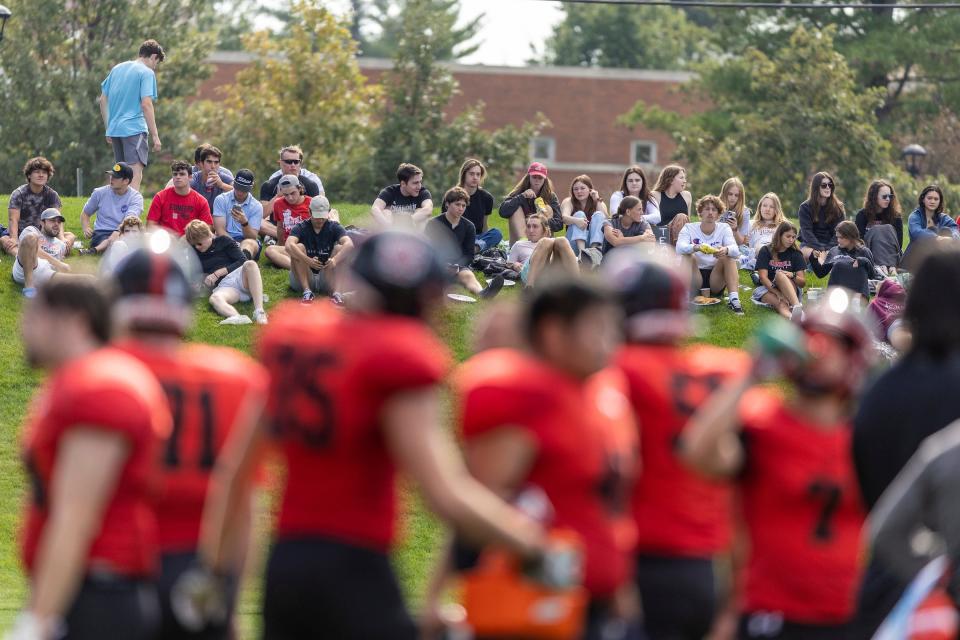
x=582 y=105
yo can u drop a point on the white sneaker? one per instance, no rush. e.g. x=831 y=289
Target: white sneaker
x=260 y=316
x=237 y=320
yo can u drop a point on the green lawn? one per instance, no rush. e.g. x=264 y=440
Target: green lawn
x=413 y=557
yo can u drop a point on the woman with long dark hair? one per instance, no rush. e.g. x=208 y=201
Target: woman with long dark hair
x=819 y=216
x=634 y=183
x=850 y=264
x=928 y=220
x=520 y=203
x=880 y=223
x=781 y=268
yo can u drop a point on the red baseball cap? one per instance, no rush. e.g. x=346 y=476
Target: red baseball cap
x=537 y=169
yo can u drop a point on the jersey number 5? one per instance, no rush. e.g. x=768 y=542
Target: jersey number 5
x=307 y=410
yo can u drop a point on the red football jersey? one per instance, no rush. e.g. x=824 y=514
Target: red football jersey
x=174 y=212
x=802 y=509
x=111 y=391
x=678 y=512
x=207 y=388
x=331 y=374
x=586 y=449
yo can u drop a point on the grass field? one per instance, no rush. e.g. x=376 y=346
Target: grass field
x=413 y=558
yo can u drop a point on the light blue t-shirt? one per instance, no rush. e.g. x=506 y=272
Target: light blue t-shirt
x=127 y=84
x=111 y=209
x=251 y=208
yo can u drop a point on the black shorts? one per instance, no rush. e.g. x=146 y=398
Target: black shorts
x=114 y=607
x=679 y=596
x=765 y=625
x=172 y=566
x=705 y=279
x=319 y=588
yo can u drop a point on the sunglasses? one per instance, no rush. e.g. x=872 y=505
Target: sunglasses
x=291 y=161
x=826 y=185
x=887 y=196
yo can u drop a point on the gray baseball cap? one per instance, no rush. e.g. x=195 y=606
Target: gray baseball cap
x=50 y=214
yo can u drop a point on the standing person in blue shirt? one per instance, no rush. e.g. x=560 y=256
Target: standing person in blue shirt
x=126 y=104
x=111 y=203
x=238 y=215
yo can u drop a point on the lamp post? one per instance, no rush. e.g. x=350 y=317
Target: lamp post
x=4 y=16
x=913 y=154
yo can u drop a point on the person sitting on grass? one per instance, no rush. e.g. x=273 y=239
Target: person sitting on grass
x=781 y=269
x=850 y=264
x=40 y=257
x=290 y=208
x=28 y=201
x=521 y=202
x=317 y=247
x=239 y=215
x=584 y=213
x=713 y=252
x=628 y=226
x=407 y=204
x=173 y=208
x=764 y=224
x=111 y=204
x=130 y=228
x=539 y=252
x=229 y=275
x=453 y=237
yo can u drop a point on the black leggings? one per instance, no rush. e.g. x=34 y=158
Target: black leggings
x=114 y=607
x=318 y=588
x=679 y=596
x=767 y=626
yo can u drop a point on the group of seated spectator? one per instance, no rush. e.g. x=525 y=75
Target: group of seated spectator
x=294 y=226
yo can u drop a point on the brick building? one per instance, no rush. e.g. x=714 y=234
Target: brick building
x=582 y=104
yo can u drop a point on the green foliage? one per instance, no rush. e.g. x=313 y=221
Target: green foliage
x=381 y=25
x=53 y=58
x=628 y=37
x=415 y=127
x=776 y=120
x=304 y=88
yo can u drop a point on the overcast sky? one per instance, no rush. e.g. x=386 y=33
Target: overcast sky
x=509 y=27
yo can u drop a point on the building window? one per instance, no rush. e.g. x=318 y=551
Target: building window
x=543 y=149
x=643 y=152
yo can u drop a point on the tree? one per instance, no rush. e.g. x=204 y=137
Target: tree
x=628 y=37
x=55 y=55
x=776 y=120
x=304 y=88
x=380 y=26
x=415 y=128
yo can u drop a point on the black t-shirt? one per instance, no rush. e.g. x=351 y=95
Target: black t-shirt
x=790 y=260
x=318 y=245
x=897 y=412
x=455 y=244
x=268 y=190
x=399 y=203
x=223 y=252
x=481 y=205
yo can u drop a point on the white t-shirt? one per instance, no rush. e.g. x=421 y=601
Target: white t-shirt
x=651 y=212
x=521 y=251
x=760 y=237
x=692 y=235
x=52 y=246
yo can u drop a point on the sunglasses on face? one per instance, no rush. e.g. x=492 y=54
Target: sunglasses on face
x=291 y=161
x=826 y=185
x=886 y=197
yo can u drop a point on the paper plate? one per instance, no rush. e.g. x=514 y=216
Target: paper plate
x=707 y=304
x=509 y=283
x=459 y=297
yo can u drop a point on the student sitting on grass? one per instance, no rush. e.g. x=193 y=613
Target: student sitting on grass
x=713 y=252
x=539 y=252
x=765 y=221
x=228 y=273
x=781 y=269
x=453 y=237
x=850 y=264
